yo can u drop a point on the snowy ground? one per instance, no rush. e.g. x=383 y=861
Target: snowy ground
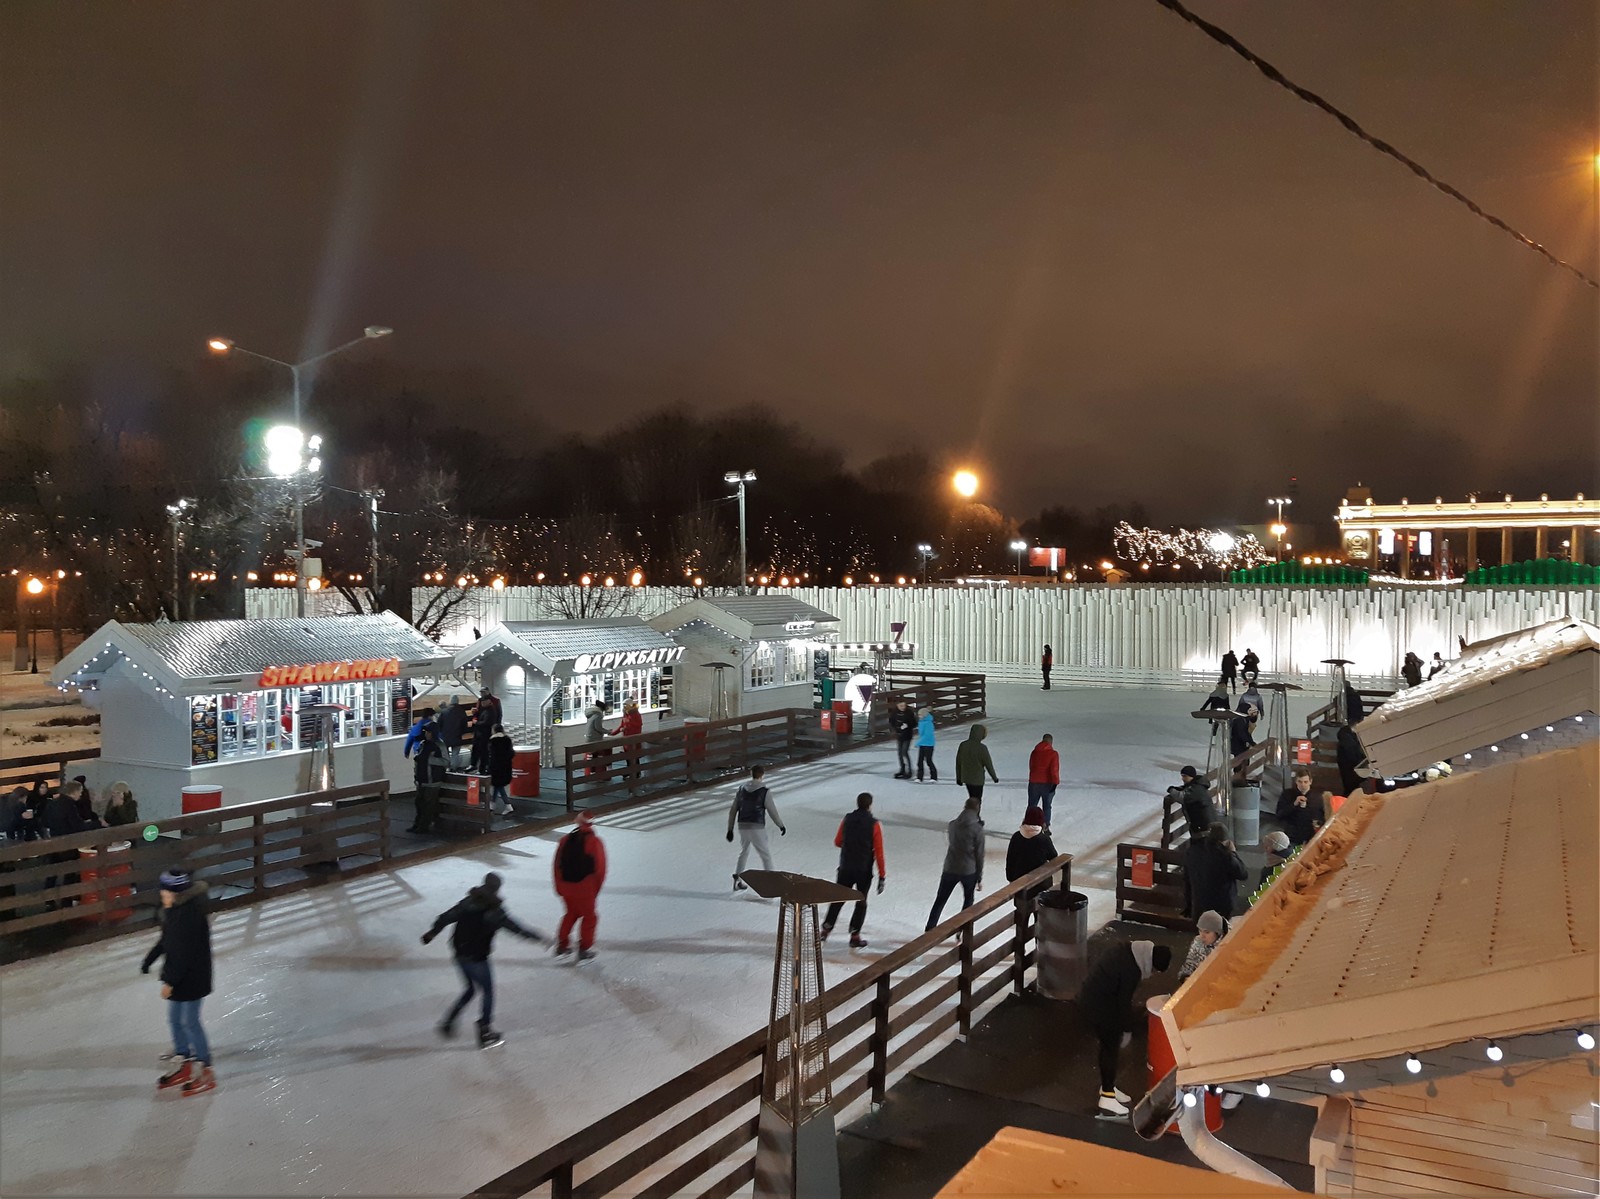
x=332 y=1079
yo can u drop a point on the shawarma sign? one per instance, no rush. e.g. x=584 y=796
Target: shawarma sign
x=330 y=672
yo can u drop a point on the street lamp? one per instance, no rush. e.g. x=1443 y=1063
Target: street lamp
x=737 y=479
x=35 y=588
x=1278 y=527
x=176 y=511
x=965 y=483
x=225 y=345
x=1017 y=547
x=926 y=551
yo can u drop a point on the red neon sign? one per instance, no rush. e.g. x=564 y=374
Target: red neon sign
x=330 y=672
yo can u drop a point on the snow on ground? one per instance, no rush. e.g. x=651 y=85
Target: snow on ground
x=332 y=1080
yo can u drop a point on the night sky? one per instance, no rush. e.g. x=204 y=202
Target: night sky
x=1078 y=242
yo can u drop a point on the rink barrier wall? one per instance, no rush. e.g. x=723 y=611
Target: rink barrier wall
x=881 y=1020
x=239 y=848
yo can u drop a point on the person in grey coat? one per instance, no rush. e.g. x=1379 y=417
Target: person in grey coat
x=963 y=860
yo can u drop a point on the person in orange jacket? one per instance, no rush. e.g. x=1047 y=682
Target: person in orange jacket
x=1044 y=776
x=580 y=870
x=860 y=842
x=631 y=725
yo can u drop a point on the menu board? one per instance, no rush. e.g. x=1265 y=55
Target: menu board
x=819 y=676
x=203 y=729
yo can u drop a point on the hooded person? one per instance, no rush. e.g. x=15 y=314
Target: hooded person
x=1030 y=849
x=594 y=731
x=476 y=919
x=963 y=859
x=925 y=742
x=752 y=804
x=1212 y=872
x=121 y=807
x=580 y=871
x=973 y=762
x=1210 y=929
x=184 y=950
x=1106 y=1001
x=502 y=754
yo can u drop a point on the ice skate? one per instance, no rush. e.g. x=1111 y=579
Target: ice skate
x=857 y=941
x=563 y=950
x=445 y=1029
x=201 y=1082
x=586 y=955
x=177 y=1077
x=822 y=933
x=488 y=1037
x=738 y=884
x=1110 y=1107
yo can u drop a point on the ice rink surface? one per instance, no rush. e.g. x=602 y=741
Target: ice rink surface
x=332 y=1079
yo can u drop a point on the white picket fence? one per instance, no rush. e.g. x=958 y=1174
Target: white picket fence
x=1159 y=635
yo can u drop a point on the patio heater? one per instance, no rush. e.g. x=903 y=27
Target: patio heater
x=1280 y=762
x=1244 y=823
x=797 y=1156
x=1338 y=677
x=719 y=702
x=321 y=761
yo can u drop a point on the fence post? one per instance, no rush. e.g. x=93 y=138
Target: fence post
x=567 y=766
x=258 y=852
x=878 y=1072
x=964 y=986
x=383 y=821
x=561 y=1182
x=789 y=735
x=1019 y=947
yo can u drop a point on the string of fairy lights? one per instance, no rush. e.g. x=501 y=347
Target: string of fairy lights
x=1198 y=547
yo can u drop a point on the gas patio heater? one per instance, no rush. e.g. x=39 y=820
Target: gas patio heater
x=1238 y=807
x=797 y=1156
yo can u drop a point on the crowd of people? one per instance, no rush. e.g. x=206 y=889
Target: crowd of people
x=39 y=811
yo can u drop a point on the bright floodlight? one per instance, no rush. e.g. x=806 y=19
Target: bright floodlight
x=1221 y=542
x=220 y=344
x=739 y=476
x=924 y=548
x=965 y=483
x=1019 y=546
x=35 y=586
x=284 y=443
x=377 y=330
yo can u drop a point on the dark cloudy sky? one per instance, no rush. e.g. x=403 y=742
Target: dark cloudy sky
x=1076 y=240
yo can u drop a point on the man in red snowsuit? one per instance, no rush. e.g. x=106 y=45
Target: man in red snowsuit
x=580 y=870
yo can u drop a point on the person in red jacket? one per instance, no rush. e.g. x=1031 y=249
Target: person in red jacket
x=580 y=870
x=632 y=725
x=1044 y=776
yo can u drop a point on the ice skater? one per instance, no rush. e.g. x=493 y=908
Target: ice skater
x=973 y=762
x=752 y=804
x=1044 y=776
x=925 y=742
x=477 y=918
x=1047 y=660
x=963 y=860
x=860 y=842
x=1230 y=670
x=903 y=722
x=580 y=872
x=185 y=946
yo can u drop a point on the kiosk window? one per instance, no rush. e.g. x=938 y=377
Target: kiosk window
x=761 y=667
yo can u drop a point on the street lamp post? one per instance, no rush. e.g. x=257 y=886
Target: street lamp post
x=1017 y=547
x=34 y=588
x=926 y=551
x=737 y=479
x=1278 y=527
x=223 y=345
x=176 y=511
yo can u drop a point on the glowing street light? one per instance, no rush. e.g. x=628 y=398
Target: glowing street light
x=965 y=483
x=1278 y=528
x=35 y=586
x=1017 y=547
x=926 y=552
x=737 y=479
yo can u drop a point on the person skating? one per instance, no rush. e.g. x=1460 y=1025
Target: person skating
x=903 y=723
x=1047 y=661
x=752 y=804
x=973 y=762
x=580 y=872
x=423 y=759
x=860 y=842
x=184 y=948
x=502 y=753
x=925 y=743
x=1106 y=1000
x=1030 y=848
x=476 y=919
x=963 y=860
x=1230 y=670
x=1044 y=775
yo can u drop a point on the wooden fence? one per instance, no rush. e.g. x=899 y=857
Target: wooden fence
x=243 y=846
x=879 y=1020
x=50 y=768
x=1162 y=901
x=667 y=760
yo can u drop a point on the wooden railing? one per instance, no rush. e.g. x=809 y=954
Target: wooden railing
x=1248 y=765
x=241 y=846
x=50 y=768
x=879 y=1020
x=954 y=698
x=1160 y=903
x=1327 y=716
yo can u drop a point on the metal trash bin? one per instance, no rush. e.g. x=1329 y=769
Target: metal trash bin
x=1244 y=813
x=1061 y=943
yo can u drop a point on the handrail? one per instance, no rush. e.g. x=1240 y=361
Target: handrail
x=64 y=755
x=1254 y=759
x=559 y=1163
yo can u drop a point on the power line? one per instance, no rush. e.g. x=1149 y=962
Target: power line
x=1218 y=34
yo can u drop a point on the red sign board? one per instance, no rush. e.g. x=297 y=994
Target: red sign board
x=1144 y=868
x=330 y=672
x=1047 y=557
x=1302 y=752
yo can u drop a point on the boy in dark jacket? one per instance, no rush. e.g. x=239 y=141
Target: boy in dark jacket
x=185 y=944
x=476 y=918
x=963 y=859
x=1106 y=1000
x=903 y=723
x=860 y=842
x=1030 y=849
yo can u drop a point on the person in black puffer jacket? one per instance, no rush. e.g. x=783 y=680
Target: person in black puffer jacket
x=1212 y=872
x=1030 y=849
x=1106 y=1001
x=476 y=918
x=185 y=946
x=501 y=755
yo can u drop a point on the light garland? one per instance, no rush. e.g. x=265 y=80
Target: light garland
x=1202 y=547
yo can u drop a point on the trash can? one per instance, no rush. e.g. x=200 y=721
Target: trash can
x=525 y=772
x=1159 y=1060
x=105 y=867
x=201 y=799
x=1244 y=809
x=694 y=738
x=1061 y=942
x=843 y=717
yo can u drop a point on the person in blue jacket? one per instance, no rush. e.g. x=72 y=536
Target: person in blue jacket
x=925 y=744
x=419 y=721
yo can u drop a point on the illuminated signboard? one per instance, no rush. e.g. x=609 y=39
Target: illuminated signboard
x=594 y=663
x=799 y=626
x=330 y=672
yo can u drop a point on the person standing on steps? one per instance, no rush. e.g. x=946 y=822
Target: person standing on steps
x=963 y=860
x=860 y=842
x=594 y=730
x=1212 y=872
x=751 y=806
x=185 y=946
x=423 y=760
x=501 y=755
x=580 y=872
x=925 y=741
x=903 y=723
x=1106 y=1001
x=973 y=763
x=476 y=919
x=1046 y=661
x=631 y=725
x=1230 y=670
x=1044 y=776
x=484 y=717
x=452 y=731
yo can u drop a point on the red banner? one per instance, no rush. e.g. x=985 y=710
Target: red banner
x=1144 y=868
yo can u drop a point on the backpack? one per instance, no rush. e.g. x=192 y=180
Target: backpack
x=576 y=862
x=753 y=806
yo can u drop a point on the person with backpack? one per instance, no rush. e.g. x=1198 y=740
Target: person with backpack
x=903 y=723
x=752 y=804
x=925 y=742
x=185 y=944
x=476 y=919
x=580 y=872
x=860 y=842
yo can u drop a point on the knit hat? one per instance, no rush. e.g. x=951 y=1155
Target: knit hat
x=491 y=882
x=1277 y=841
x=1035 y=816
x=1161 y=958
x=1189 y=772
x=584 y=820
x=1210 y=922
x=175 y=880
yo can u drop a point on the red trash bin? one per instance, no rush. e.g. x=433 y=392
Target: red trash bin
x=694 y=738
x=105 y=868
x=1160 y=1059
x=843 y=717
x=525 y=772
x=201 y=799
